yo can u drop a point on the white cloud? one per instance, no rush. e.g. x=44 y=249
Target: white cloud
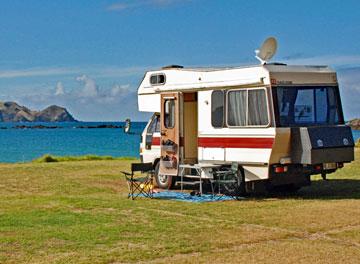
x=93 y=70
x=333 y=60
x=59 y=89
x=89 y=102
x=117 y=7
x=33 y=72
x=90 y=88
x=122 y=5
x=117 y=90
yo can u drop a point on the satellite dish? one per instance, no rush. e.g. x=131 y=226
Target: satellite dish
x=267 y=50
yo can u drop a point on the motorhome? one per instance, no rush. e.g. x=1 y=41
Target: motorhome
x=280 y=123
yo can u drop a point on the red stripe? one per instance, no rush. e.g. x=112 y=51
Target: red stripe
x=235 y=142
x=155 y=141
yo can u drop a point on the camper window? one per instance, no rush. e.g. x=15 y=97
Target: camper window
x=217 y=109
x=247 y=107
x=154 y=125
x=157 y=79
x=169 y=113
x=308 y=106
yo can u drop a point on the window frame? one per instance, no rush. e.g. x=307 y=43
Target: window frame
x=157 y=76
x=224 y=109
x=308 y=86
x=155 y=119
x=247 y=107
x=174 y=108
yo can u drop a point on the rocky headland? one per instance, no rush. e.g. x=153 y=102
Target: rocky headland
x=354 y=124
x=13 y=112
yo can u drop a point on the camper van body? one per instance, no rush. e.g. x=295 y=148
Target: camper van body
x=279 y=123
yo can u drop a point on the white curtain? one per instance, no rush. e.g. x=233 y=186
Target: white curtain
x=237 y=108
x=257 y=115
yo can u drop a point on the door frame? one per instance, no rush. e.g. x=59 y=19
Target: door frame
x=170 y=153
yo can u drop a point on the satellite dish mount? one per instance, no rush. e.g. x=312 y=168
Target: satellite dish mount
x=267 y=50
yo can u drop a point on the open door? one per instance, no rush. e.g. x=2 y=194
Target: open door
x=170 y=138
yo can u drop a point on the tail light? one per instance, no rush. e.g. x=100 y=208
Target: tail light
x=280 y=169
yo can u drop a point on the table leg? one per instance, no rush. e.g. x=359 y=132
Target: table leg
x=200 y=184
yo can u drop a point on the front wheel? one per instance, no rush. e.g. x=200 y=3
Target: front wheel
x=162 y=181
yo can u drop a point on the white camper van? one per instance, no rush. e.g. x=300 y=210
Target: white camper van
x=279 y=123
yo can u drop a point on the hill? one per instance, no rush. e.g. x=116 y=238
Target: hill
x=13 y=112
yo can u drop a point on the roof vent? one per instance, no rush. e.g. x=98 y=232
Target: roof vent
x=172 y=67
x=277 y=64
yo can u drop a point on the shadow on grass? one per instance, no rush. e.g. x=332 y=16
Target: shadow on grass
x=319 y=189
x=323 y=190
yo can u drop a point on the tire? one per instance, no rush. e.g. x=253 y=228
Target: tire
x=237 y=188
x=163 y=181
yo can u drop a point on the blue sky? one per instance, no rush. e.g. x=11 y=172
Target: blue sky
x=89 y=56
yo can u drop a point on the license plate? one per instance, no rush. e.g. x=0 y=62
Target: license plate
x=329 y=166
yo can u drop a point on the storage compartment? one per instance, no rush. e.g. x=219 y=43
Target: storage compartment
x=169 y=164
x=316 y=145
x=169 y=148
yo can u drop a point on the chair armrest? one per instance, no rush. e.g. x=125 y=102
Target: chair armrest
x=223 y=172
x=126 y=173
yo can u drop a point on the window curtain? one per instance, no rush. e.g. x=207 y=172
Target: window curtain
x=257 y=108
x=237 y=108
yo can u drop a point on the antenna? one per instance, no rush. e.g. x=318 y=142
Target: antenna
x=267 y=50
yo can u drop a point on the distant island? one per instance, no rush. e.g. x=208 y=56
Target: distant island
x=354 y=124
x=13 y=112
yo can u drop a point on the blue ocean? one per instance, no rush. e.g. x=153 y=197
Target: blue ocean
x=22 y=145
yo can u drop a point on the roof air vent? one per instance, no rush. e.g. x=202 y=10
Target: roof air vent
x=172 y=67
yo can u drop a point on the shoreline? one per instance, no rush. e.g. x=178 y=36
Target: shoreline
x=62 y=127
x=47 y=158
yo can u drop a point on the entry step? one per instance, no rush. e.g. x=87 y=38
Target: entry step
x=191 y=176
x=189 y=182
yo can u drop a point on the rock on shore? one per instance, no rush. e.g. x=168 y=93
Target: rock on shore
x=354 y=124
x=13 y=112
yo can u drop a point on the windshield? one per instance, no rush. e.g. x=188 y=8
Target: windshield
x=308 y=106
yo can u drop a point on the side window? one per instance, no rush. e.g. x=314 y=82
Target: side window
x=157 y=127
x=247 y=108
x=257 y=108
x=157 y=79
x=217 y=109
x=169 y=113
x=154 y=125
x=237 y=101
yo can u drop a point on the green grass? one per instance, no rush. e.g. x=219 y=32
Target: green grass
x=50 y=158
x=78 y=212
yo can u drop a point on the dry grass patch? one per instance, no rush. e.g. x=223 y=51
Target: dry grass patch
x=77 y=212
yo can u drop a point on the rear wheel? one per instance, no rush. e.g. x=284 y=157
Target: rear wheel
x=234 y=183
x=162 y=181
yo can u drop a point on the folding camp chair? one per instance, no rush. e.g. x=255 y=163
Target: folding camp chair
x=140 y=185
x=228 y=182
